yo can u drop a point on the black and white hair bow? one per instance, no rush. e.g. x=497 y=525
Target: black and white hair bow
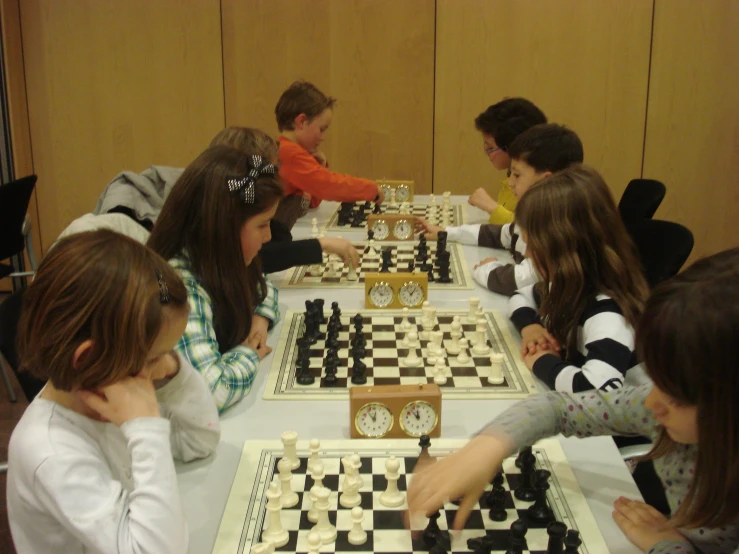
x=246 y=185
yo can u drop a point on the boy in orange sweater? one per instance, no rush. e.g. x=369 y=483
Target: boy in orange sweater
x=304 y=115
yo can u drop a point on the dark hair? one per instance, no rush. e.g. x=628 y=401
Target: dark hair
x=547 y=147
x=202 y=220
x=100 y=286
x=249 y=140
x=580 y=246
x=688 y=339
x=300 y=97
x=507 y=119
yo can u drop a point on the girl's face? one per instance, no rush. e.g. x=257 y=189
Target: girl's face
x=255 y=232
x=680 y=422
x=310 y=133
x=497 y=156
x=160 y=360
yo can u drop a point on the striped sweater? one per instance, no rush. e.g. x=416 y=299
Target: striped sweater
x=605 y=345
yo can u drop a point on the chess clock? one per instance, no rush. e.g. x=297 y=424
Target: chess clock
x=395 y=290
x=403 y=189
x=395 y=411
x=392 y=226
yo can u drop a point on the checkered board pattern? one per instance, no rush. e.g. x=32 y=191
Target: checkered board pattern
x=458 y=214
x=385 y=354
x=302 y=277
x=245 y=515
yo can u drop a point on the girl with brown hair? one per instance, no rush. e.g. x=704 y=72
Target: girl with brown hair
x=90 y=462
x=577 y=323
x=211 y=228
x=688 y=339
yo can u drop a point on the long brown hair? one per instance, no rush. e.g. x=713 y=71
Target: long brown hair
x=581 y=248
x=248 y=140
x=96 y=285
x=202 y=221
x=688 y=339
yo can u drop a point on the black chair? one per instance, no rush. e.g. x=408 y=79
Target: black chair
x=663 y=246
x=14 y=228
x=641 y=199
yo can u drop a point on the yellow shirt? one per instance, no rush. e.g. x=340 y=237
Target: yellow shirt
x=506 y=205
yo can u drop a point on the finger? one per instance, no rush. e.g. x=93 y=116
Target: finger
x=465 y=507
x=94 y=401
x=554 y=342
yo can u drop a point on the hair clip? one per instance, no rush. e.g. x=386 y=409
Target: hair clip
x=164 y=297
x=246 y=185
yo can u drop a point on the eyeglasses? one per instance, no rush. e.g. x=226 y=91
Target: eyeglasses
x=489 y=150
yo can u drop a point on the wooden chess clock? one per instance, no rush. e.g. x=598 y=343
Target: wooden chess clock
x=403 y=189
x=395 y=411
x=392 y=226
x=395 y=290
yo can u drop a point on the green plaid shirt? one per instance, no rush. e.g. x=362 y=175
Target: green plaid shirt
x=229 y=375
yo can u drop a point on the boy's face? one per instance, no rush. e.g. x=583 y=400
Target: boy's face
x=497 y=156
x=523 y=176
x=309 y=133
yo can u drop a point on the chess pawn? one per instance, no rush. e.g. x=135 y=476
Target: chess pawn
x=289 y=498
x=275 y=532
x=572 y=541
x=263 y=548
x=314 y=543
x=472 y=315
x=324 y=527
x=290 y=441
x=496 y=369
x=357 y=535
x=317 y=475
x=371 y=253
x=439 y=377
x=463 y=358
x=392 y=497
x=315 y=446
x=405 y=325
x=352 y=274
x=556 y=531
x=413 y=339
x=412 y=360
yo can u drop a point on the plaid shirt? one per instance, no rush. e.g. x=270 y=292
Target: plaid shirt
x=229 y=375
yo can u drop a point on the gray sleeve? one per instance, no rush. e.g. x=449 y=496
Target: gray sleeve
x=490 y=236
x=673 y=547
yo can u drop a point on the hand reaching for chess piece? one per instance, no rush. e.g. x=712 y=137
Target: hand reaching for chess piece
x=431 y=232
x=342 y=248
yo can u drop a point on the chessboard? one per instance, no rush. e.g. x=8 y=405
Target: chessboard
x=246 y=515
x=332 y=273
x=383 y=332
x=457 y=214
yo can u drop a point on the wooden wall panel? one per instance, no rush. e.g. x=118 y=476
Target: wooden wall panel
x=376 y=57
x=585 y=64
x=692 y=140
x=120 y=84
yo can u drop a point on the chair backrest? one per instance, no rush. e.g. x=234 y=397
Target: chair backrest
x=14 y=199
x=641 y=199
x=10 y=314
x=663 y=246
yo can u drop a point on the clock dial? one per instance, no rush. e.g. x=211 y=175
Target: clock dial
x=381 y=229
x=403 y=229
x=402 y=193
x=411 y=294
x=418 y=418
x=386 y=189
x=381 y=294
x=374 y=420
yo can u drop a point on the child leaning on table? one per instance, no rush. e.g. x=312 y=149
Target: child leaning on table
x=90 y=462
x=688 y=339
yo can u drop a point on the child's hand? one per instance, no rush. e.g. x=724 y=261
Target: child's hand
x=341 y=247
x=380 y=195
x=131 y=398
x=462 y=475
x=642 y=524
x=481 y=199
x=258 y=332
x=321 y=158
x=535 y=337
x=431 y=232
x=485 y=261
x=530 y=359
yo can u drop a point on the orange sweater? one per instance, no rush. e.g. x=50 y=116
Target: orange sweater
x=301 y=172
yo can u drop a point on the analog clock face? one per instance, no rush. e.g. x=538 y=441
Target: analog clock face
x=373 y=420
x=381 y=295
x=380 y=229
x=403 y=229
x=402 y=193
x=387 y=190
x=418 y=418
x=411 y=294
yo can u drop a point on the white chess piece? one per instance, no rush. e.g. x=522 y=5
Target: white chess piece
x=434 y=346
x=439 y=377
x=392 y=497
x=315 y=446
x=317 y=475
x=314 y=543
x=352 y=274
x=289 y=498
x=413 y=339
x=432 y=200
x=263 y=548
x=357 y=535
x=349 y=496
x=412 y=360
x=432 y=315
x=463 y=358
x=472 y=315
x=324 y=527
x=496 y=370
x=427 y=324
x=357 y=465
x=290 y=441
x=447 y=199
x=456 y=334
x=371 y=252
x=393 y=203
x=405 y=325
x=275 y=532
x=481 y=342
x=314 y=228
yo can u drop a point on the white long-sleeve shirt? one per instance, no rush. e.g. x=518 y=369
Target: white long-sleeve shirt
x=78 y=485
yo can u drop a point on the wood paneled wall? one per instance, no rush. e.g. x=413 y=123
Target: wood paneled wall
x=585 y=64
x=120 y=84
x=376 y=57
x=692 y=138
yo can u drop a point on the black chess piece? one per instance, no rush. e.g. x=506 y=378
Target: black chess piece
x=330 y=380
x=411 y=266
x=496 y=499
x=304 y=375
x=481 y=545
x=359 y=366
x=332 y=341
x=430 y=273
x=525 y=490
x=431 y=534
x=359 y=351
x=572 y=541
x=318 y=303
x=385 y=268
x=556 y=531
x=358 y=321
x=438 y=548
x=526 y=452
x=358 y=373
x=518 y=537
x=540 y=512
x=335 y=310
